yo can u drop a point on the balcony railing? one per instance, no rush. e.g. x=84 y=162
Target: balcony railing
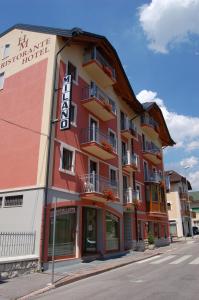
x=130 y=161
x=183 y=195
x=152 y=153
x=128 y=128
x=150 y=122
x=130 y=196
x=92 y=183
x=98 y=68
x=153 y=177
x=98 y=102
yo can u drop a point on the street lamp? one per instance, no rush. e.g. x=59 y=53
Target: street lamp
x=190 y=217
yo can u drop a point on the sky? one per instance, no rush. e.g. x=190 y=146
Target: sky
x=158 y=44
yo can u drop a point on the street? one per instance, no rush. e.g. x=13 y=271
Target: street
x=173 y=275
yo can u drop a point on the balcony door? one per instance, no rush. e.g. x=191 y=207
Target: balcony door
x=93 y=130
x=93 y=171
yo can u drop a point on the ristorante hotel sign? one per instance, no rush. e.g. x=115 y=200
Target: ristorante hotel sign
x=26 y=53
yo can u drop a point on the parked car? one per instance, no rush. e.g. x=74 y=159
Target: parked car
x=195 y=230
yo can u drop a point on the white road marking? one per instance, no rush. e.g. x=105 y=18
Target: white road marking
x=159 y=261
x=195 y=261
x=147 y=259
x=179 y=260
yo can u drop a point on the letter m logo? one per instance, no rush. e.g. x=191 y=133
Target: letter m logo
x=23 y=42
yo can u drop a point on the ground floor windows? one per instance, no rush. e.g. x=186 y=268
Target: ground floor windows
x=64 y=233
x=89 y=230
x=112 y=232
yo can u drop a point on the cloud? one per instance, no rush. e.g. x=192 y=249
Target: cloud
x=183 y=129
x=191 y=162
x=168 y=22
x=193 y=177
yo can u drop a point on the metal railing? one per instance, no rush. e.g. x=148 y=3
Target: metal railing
x=151 y=150
x=94 y=91
x=130 y=159
x=94 y=54
x=153 y=177
x=127 y=124
x=95 y=135
x=17 y=243
x=92 y=183
x=130 y=196
x=149 y=121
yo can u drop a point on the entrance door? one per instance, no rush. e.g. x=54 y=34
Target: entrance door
x=89 y=230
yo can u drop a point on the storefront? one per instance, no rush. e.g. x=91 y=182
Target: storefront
x=112 y=232
x=65 y=237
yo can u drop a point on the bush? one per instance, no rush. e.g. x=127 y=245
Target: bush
x=150 y=238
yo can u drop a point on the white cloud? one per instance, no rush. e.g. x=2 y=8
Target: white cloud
x=193 y=177
x=183 y=129
x=193 y=146
x=191 y=162
x=167 y=22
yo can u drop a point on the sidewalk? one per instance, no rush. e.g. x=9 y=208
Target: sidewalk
x=27 y=286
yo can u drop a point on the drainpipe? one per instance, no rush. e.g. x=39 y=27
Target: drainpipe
x=75 y=33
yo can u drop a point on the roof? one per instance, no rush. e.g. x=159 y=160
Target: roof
x=122 y=85
x=176 y=177
x=154 y=110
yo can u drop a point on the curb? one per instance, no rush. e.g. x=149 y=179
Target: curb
x=77 y=277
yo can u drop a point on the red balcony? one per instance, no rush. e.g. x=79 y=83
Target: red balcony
x=98 y=188
x=98 y=103
x=150 y=127
x=97 y=143
x=98 y=68
x=154 y=155
x=130 y=162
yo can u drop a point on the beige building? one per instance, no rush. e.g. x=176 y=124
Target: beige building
x=194 y=198
x=178 y=204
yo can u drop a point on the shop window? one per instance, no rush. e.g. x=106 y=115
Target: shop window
x=2 y=79
x=13 y=201
x=112 y=232
x=67 y=160
x=72 y=70
x=65 y=232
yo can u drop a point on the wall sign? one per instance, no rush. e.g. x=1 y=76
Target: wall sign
x=63 y=211
x=66 y=103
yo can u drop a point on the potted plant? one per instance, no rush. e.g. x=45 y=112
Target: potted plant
x=151 y=241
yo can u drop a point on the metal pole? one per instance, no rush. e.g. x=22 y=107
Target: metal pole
x=53 y=249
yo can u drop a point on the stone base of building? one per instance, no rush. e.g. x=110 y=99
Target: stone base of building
x=16 y=266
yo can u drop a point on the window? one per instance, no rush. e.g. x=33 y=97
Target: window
x=2 y=78
x=1 y=201
x=122 y=121
x=73 y=116
x=5 y=51
x=113 y=106
x=113 y=140
x=67 y=160
x=11 y=201
x=72 y=70
x=138 y=191
x=113 y=177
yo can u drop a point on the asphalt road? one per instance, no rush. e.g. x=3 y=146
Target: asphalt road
x=171 y=276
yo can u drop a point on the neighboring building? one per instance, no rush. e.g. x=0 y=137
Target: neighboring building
x=104 y=175
x=178 y=204
x=194 y=203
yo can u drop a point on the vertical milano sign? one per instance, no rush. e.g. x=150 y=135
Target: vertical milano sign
x=66 y=102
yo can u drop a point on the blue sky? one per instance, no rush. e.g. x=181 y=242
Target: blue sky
x=158 y=44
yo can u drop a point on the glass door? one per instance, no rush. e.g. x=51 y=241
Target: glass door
x=93 y=175
x=93 y=130
x=90 y=230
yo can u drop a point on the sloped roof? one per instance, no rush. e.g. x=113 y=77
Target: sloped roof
x=154 y=110
x=122 y=85
x=176 y=177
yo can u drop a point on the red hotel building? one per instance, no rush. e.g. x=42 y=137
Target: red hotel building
x=103 y=175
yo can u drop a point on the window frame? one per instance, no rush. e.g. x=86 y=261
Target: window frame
x=13 y=196
x=116 y=142
x=111 y=168
x=5 y=51
x=74 y=123
x=138 y=185
x=71 y=149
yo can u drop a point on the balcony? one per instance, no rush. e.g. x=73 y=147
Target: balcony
x=154 y=155
x=130 y=162
x=98 y=68
x=150 y=127
x=183 y=196
x=153 y=178
x=97 y=143
x=128 y=129
x=130 y=197
x=98 y=103
x=98 y=188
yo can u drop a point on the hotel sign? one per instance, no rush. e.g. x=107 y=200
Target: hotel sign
x=66 y=103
